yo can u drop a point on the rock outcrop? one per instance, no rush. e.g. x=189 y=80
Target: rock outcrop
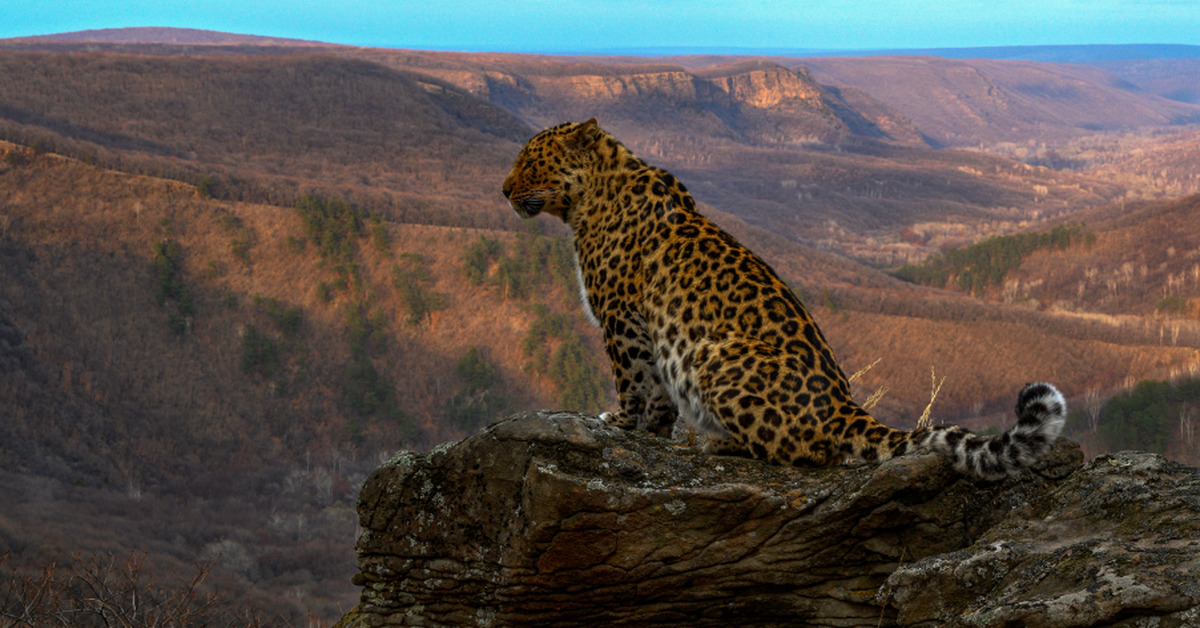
x=557 y=519
x=753 y=101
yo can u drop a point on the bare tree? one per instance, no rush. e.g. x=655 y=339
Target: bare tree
x=101 y=590
x=1187 y=424
x=1092 y=404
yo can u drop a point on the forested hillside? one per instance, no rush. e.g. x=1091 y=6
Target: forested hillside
x=158 y=343
x=232 y=281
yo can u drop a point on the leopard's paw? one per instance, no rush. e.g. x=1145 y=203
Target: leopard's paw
x=724 y=447
x=619 y=419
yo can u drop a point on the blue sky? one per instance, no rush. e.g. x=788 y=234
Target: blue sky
x=604 y=25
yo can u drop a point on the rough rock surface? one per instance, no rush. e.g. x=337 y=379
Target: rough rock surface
x=556 y=519
x=1117 y=544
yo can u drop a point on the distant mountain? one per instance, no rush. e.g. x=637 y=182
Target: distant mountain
x=1049 y=54
x=1177 y=79
x=964 y=103
x=1086 y=53
x=159 y=35
x=317 y=118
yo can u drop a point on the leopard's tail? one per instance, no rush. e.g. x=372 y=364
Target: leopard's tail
x=1041 y=413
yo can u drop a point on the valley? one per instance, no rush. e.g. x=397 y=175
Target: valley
x=236 y=274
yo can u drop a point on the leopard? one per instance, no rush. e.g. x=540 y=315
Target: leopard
x=698 y=327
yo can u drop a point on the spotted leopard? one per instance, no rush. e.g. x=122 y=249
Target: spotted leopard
x=698 y=326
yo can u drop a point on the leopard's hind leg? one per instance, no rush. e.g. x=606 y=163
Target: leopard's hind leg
x=775 y=406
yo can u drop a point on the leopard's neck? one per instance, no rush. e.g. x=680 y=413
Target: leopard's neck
x=610 y=167
x=612 y=156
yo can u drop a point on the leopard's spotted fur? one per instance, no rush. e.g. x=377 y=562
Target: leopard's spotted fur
x=697 y=326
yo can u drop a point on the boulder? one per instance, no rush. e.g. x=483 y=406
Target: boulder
x=556 y=519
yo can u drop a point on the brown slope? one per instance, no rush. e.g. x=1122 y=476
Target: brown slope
x=267 y=128
x=1151 y=167
x=65 y=224
x=107 y=343
x=1143 y=254
x=884 y=206
x=964 y=103
x=1177 y=79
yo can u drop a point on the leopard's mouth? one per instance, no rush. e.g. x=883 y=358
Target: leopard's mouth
x=527 y=207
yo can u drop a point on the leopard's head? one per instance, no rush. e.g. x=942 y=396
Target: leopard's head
x=547 y=174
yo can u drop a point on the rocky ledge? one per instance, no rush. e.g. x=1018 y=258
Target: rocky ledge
x=556 y=519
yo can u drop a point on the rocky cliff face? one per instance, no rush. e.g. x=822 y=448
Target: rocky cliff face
x=756 y=101
x=759 y=102
x=763 y=85
x=557 y=519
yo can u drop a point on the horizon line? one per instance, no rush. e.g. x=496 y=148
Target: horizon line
x=1183 y=50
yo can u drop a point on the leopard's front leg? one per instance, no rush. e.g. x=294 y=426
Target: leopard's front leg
x=643 y=398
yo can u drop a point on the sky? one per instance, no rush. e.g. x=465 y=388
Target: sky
x=564 y=26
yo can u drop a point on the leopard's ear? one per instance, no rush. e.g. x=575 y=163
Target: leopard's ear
x=584 y=136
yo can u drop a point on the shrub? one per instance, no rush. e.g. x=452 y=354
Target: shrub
x=99 y=590
x=168 y=256
x=169 y=288
x=286 y=319
x=259 y=352
x=380 y=239
x=240 y=249
x=229 y=222
x=533 y=260
x=574 y=372
x=1173 y=305
x=411 y=281
x=366 y=391
x=483 y=398
x=331 y=224
x=476 y=373
x=205 y=187
x=479 y=258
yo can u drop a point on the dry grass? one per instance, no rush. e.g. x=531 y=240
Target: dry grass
x=875 y=396
x=926 y=418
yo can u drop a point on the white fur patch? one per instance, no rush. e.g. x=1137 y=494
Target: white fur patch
x=583 y=297
x=685 y=392
x=1053 y=424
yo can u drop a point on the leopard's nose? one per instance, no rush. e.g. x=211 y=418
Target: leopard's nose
x=507 y=189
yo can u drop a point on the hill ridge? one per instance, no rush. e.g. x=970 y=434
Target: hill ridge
x=1055 y=53
x=162 y=35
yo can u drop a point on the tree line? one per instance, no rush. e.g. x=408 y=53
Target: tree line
x=973 y=268
x=1147 y=416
